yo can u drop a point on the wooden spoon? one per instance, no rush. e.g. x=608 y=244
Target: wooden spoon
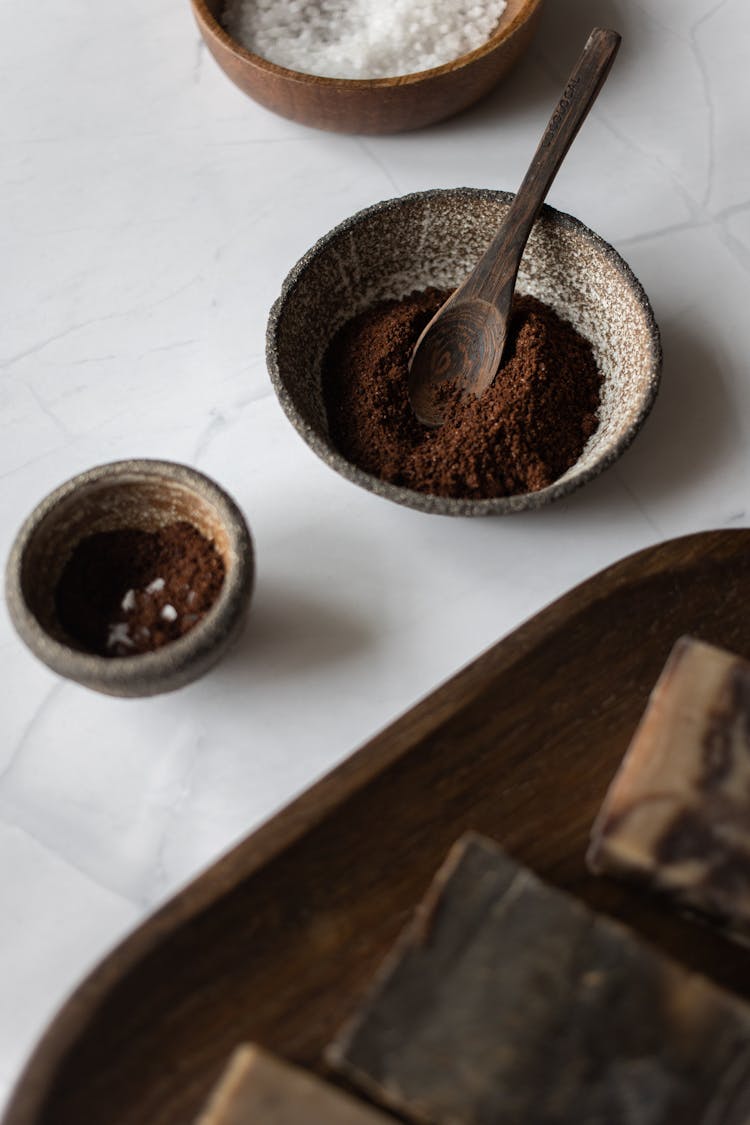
x=463 y=343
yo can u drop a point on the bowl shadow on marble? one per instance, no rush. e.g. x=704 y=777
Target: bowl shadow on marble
x=564 y=27
x=692 y=429
x=533 y=87
x=434 y=238
x=292 y=634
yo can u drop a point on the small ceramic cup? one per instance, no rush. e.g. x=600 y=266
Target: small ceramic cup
x=435 y=238
x=144 y=495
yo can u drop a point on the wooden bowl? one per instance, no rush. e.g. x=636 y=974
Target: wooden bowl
x=434 y=238
x=378 y=105
x=141 y=494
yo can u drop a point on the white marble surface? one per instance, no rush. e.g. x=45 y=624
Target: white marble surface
x=149 y=214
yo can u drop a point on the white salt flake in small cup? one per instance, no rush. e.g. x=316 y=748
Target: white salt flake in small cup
x=119 y=634
x=128 y=602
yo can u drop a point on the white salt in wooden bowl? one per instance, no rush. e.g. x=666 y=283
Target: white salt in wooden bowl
x=378 y=105
x=435 y=238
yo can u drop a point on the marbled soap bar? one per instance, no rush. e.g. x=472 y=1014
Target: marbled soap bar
x=257 y=1087
x=677 y=814
x=507 y=1001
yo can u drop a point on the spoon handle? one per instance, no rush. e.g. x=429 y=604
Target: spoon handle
x=496 y=271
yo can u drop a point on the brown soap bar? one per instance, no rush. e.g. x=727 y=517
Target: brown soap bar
x=257 y=1087
x=507 y=1001
x=677 y=814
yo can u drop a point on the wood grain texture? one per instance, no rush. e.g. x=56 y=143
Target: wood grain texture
x=382 y=105
x=277 y=942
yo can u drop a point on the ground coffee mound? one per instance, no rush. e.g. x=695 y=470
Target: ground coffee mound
x=127 y=592
x=526 y=430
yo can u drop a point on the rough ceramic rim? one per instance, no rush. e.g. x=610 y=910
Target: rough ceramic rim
x=447 y=505
x=498 y=38
x=113 y=672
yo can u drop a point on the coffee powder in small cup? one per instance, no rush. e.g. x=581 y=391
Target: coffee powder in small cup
x=127 y=592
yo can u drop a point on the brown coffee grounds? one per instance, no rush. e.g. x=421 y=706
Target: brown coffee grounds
x=526 y=430
x=127 y=592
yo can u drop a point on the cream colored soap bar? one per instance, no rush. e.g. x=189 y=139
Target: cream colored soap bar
x=677 y=814
x=257 y=1087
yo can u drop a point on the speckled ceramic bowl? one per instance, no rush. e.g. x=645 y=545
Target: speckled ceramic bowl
x=434 y=238
x=128 y=494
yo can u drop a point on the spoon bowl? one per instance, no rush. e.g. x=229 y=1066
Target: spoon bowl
x=464 y=339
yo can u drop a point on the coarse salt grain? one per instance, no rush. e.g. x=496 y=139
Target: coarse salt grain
x=169 y=613
x=359 y=38
x=119 y=636
x=128 y=602
x=155 y=586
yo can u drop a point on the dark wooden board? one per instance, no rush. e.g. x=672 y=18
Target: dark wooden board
x=278 y=941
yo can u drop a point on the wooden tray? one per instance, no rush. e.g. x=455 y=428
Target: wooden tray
x=277 y=941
